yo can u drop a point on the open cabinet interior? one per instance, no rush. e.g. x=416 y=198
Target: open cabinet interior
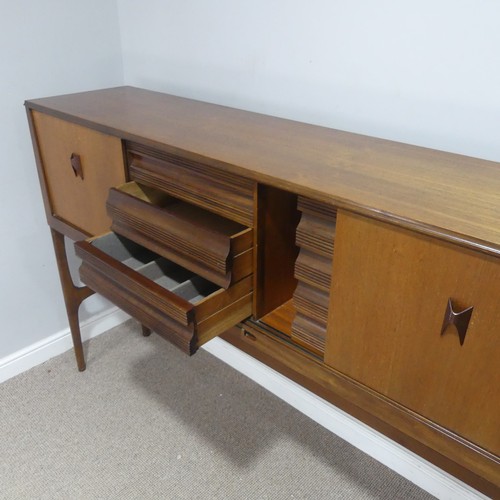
x=295 y=253
x=277 y=252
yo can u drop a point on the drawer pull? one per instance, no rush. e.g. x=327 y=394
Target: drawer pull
x=76 y=165
x=459 y=319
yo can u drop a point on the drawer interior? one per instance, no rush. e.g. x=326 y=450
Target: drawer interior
x=179 y=305
x=165 y=273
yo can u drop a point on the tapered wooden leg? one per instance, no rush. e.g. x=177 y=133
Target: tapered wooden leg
x=73 y=296
x=146 y=332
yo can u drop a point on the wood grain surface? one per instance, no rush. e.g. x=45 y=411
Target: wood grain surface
x=433 y=191
x=389 y=295
x=193 y=237
x=80 y=202
x=315 y=238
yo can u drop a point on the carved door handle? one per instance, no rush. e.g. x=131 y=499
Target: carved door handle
x=76 y=165
x=459 y=319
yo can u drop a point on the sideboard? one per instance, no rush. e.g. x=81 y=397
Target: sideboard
x=366 y=270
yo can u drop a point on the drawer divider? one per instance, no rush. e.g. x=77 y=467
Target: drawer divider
x=179 y=309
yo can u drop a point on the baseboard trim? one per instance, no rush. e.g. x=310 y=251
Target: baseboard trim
x=424 y=474
x=404 y=462
x=39 y=352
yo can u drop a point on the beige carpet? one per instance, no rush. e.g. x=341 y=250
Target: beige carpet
x=146 y=422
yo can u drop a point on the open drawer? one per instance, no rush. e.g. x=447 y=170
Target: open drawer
x=212 y=246
x=182 y=307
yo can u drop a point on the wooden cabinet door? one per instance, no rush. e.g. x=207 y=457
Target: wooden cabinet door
x=390 y=290
x=77 y=200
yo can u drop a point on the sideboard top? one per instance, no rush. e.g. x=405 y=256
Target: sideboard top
x=432 y=190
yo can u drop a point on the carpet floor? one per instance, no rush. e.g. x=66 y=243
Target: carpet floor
x=146 y=422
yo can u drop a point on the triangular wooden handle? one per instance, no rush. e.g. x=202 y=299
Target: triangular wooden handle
x=76 y=165
x=459 y=319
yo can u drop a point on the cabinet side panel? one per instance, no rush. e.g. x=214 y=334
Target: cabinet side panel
x=277 y=221
x=390 y=291
x=79 y=202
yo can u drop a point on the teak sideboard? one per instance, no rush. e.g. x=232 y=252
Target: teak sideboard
x=366 y=270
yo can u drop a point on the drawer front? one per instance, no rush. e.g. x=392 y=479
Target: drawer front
x=212 y=246
x=175 y=303
x=209 y=187
x=74 y=198
x=386 y=325
x=315 y=238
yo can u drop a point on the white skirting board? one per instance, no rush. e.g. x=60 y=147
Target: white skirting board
x=407 y=464
x=39 y=352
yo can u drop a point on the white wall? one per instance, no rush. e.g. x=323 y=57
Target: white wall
x=47 y=47
x=425 y=72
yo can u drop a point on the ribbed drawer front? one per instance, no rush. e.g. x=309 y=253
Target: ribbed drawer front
x=315 y=237
x=313 y=269
x=312 y=302
x=218 y=191
x=212 y=246
x=308 y=333
x=177 y=304
x=316 y=234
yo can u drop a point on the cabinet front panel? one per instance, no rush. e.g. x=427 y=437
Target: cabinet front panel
x=77 y=190
x=389 y=300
